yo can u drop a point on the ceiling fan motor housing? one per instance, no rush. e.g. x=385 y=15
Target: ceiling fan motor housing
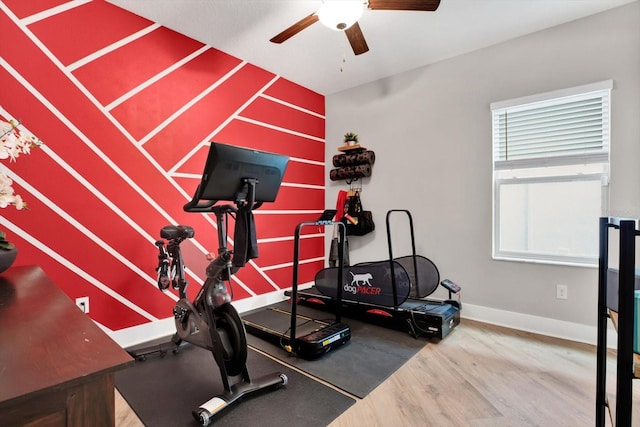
x=340 y=14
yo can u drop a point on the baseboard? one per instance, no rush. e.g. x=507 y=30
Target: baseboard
x=525 y=322
x=141 y=334
x=536 y=324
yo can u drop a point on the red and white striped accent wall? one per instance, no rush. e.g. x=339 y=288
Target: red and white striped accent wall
x=126 y=109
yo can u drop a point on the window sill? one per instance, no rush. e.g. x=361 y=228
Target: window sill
x=567 y=263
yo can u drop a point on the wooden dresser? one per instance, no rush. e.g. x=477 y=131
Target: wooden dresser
x=56 y=365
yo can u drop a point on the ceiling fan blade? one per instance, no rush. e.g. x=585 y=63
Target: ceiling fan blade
x=356 y=38
x=423 y=5
x=295 y=28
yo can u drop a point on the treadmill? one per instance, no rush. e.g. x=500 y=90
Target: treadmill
x=391 y=293
x=286 y=326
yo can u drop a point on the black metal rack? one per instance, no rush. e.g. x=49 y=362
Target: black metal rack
x=628 y=231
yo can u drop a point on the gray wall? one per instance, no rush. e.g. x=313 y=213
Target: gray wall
x=431 y=131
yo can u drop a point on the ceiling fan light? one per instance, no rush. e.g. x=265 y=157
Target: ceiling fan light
x=340 y=14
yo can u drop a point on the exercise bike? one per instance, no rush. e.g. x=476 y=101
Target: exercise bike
x=210 y=321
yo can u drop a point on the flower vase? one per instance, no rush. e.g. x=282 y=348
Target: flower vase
x=7 y=257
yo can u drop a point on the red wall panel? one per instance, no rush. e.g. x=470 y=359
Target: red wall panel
x=267 y=111
x=173 y=143
x=116 y=73
x=297 y=95
x=281 y=252
x=104 y=308
x=292 y=198
x=98 y=198
x=306 y=273
x=161 y=99
x=246 y=134
x=269 y=226
x=23 y=8
x=83 y=30
x=304 y=173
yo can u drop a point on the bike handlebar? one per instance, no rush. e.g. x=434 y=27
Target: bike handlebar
x=199 y=206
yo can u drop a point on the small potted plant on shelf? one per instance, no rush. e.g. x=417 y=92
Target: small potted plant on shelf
x=351 y=139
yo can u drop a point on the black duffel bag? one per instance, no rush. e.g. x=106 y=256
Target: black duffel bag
x=357 y=221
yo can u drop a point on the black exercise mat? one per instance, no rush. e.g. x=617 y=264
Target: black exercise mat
x=164 y=390
x=359 y=366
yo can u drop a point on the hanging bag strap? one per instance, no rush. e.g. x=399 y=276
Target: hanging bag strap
x=357 y=203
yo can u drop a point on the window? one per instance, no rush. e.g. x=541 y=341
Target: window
x=550 y=175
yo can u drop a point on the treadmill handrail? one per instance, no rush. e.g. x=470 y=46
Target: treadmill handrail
x=413 y=252
x=296 y=256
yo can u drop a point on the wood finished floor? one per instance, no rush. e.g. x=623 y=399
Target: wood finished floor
x=480 y=375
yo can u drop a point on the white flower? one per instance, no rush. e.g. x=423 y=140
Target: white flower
x=5 y=181
x=13 y=142
x=19 y=203
x=6 y=191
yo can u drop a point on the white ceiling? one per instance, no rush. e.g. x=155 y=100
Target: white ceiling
x=322 y=60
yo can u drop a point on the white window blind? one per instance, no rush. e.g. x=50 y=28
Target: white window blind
x=568 y=126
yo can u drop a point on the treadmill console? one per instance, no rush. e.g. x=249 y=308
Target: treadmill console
x=327 y=217
x=450 y=286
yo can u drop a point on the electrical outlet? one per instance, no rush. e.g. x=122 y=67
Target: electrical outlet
x=562 y=292
x=83 y=304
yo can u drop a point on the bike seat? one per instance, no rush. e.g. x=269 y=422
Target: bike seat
x=171 y=232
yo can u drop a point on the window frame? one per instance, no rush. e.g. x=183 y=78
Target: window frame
x=499 y=166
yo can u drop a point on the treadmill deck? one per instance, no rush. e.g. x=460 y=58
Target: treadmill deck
x=314 y=337
x=417 y=316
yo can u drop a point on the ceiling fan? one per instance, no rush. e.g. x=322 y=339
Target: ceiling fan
x=343 y=15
